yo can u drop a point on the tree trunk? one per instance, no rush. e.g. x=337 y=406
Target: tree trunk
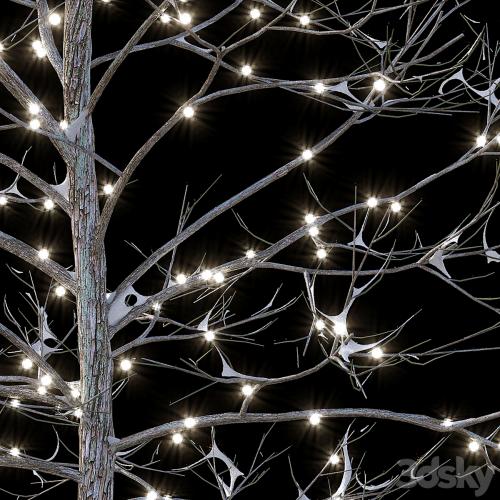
x=96 y=371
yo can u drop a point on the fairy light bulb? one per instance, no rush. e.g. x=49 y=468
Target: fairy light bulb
x=189 y=422
x=60 y=291
x=78 y=413
x=156 y=306
x=165 y=18
x=15 y=452
x=126 y=365
x=319 y=88
x=379 y=85
x=3 y=200
x=315 y=419
x=498 y=136
x=27 y=364
x=55 y=19
x=313 y=231
x=2 y=47
x=340 y=328
x=46 y=380
x=34 y=124
x=321 y=253
x=15 y=403
x=255 y=13
x=181 y=279
x=63 y=124
x=75 y=393
x=152 y=495
x=247 y=390
x=250 y=254
x=48 y=204
x=246 y=70
x=177 y=438
x=107 y=189
x=39 y=49
x=334 y=459
x=209 y=336
x=304 y=20
x=218 y=277
x=33 y=108
x=307 y=154
x=447 y=422
x=396 y=207
x=372 y=202
x=188 y=112
x=481 y=141
x=377 y=353
x=207 y=274
x=43 y=254
x=42 y=390
x=185 y=18
x=310 y=218
x=474 y=446
x=320 y=325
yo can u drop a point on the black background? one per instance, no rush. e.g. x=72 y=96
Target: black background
x=243 y=138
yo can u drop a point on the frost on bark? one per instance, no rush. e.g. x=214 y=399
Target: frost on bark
x=407 y=73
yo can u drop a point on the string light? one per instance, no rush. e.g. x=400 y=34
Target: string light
x=27 y=364
x=481 y=141
x=181 y=279
x=209 y=336
x=63 y=124
x=321 y=253
x=246 y=70
x=152 y=495
x=15 y=403
x=334 y=459
x=15 y=452
x=165 y=18
x=218 y=277
x=177 y=438
x=3 y=200
x=78 y=413
x=188 y=112
x=310 y=218
x=46 y=380
x=2 y=47
x=379 y=85
x=55 y=19
x=75 y=393
x=107 y=189
x=35 y=124
x=33 y=108
x=42 y=390
x=185 y=18
x=156 y=306
x=43 y=254
x=105 y=1
x=340 y=328
x=189 y=422
x=372 y=202
x=377 y=353
x=60 y=291
x=255 y=13
x=125 y=365
x=474 y=446
x=313 y=231
x=498 y=136
x=48 y=204
x=304 y=20
x=307 y=154
x=319 y=88
x=447 y=422
x=320 y=325
x=396 y=207
x=39 y=49
x=207 y=274
x=315 y=419
x=247 y=390
x=250 y=254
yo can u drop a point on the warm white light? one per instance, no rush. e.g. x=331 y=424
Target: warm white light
x=42 y=390
x=33 y=108
x=35 y=124
x=307 y=154
x=321 y=253
x=372 y=202
x=379 y=85
x=39 y=49
x=107 y=189
x=181 y=279
x=75 y=393
x=15 y=403
x=315 y=419
x=188 y=112
x=189 y=422
x=209 y=336
x=498 y=136
x=319 y=88
x=447 y=422
x=481 y=141
x=304 y=20
x=396 y=207
x=218 y=277
x=156 y=306
x=334 y=459
x=125 y=365
x=152 y=495
x=185 y=18
x=43 y=254
x=255 y=13
x=48 y=204
x=207 y=274
x=63 y=124
x=250 y=254
x=27 y=364
x=105 y=1
x=377 y=353
x=165 y=18
x=246 y=70
x=60 y=291
x=474 y=446
x=313 y=231
x=310 y=218
x=340 y=328
x=55 y=19
x=320 y=325
x=46 y=380
x=15 y=452
x=177 y=438
x=2 y=47
x=247 y=390
x=78 y=413
x=3 y=200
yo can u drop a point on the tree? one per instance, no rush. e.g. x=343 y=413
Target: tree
x=416 y=69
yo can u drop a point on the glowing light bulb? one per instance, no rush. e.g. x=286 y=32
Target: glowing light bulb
x=320 y=325
x=313 y=231
x=250 y=254
x=185 y=18
x=396 y=207
x=152 y=495
x=43 y=254
x=48 y=204
x=2 y=47
x=334 y=459
x=209 y=336
x=377 y=353
x=46 y=380
x=340 y=328
x=255 y=13
x=3 y=200
x=498 y=136
x=156 y=306
x=372 y=202
x=107 y=189
x=310 y=218
x=55 y=19
x=246 y=70
x=304 y=20
x=15 y=403
x=42 y=390
x=189 y=422
x=63 y=124
x=481 y=141
x=379 y=85
x=321 y=253
x=15 y=452
x=247 y=390
x=181 y=279
x=218 y=277
x=177 y=438
x=319 y=88
x=207 y=274
x=474 y=446
x=78 y=413
x=315 y=419
x=33 y=108
x=39 y=49
x=75 y=393
x=35 y=124
x=447 y=422
x=188 y=112
x=125 y=365
x=105 y=1
x=27 y=364
x=307 y=154
x=165 y=18
x=60 y=291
